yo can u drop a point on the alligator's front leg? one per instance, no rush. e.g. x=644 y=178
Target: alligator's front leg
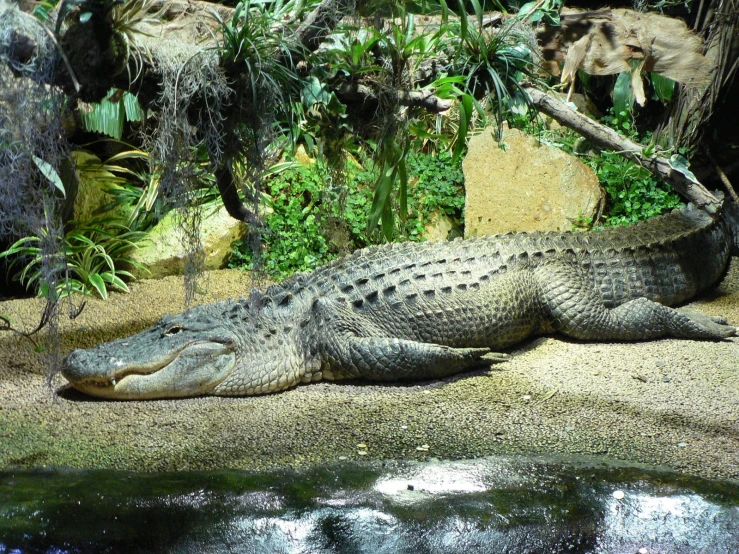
x=352 y=347
x=578 y=311
x=390 y=359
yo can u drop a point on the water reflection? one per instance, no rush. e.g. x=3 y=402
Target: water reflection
x=497 y=505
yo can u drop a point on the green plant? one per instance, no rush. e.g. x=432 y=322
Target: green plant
x=439 y=186
x=95 y=253
x=293 y=240
x=135 y=192
x=493 y=63
x=250 y=47
x=634 y=193
x=42 y=10
x=113 y=111
x=308 y=217
x=127 y=19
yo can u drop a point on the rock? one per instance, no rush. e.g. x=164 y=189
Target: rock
x=164 y=255
x=91 y=194
x=529 y=186
x=302 y=156
x=438 y=227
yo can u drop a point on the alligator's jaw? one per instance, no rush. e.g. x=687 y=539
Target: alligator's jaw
x=195 y=370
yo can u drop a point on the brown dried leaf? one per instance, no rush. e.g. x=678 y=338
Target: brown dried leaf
x=637 y=84
x=575 y=55
x=614 y=37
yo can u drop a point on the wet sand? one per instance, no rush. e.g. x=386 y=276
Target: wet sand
x=672 y=403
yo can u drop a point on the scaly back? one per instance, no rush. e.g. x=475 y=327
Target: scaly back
x=667 y=259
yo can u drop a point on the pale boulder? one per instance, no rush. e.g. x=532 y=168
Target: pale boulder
x=525 y=186
x=164 y=254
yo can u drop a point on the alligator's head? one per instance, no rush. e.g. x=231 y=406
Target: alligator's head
x=221 y=349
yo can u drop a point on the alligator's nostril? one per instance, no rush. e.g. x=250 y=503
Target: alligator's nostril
x=70 y=363
x=72 y=355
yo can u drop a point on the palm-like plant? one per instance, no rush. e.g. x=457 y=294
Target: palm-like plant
x=494 y=61
x=95 y=254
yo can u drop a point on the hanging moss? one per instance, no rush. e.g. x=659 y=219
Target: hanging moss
x=32 y=153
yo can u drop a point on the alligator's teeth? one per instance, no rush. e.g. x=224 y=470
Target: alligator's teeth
x=112 y=381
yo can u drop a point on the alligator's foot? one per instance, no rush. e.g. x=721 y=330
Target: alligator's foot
x=495 y=357
x=703 y=326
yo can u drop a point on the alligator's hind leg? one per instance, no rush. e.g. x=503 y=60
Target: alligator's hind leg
x=578 y=311
x=389 y=359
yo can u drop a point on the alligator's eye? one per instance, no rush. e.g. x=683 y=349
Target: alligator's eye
x=173 y=330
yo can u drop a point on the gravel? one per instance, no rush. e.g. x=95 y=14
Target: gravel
x=670 y=403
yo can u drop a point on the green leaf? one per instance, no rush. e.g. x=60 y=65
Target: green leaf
x=50 y=173
x=623 y=96
x=382 y=193
x=403 y=189
x=115 y=281
x=97 y=282
x=387 y=221
x=78 y=236
x=526 y=9
x=106 y=117
x=463 y=24
x=479 y=12
x=663 y=87
x=132 y=107
x=134 y=154
x=465 y=117
x=314 y=92
x=680 y=164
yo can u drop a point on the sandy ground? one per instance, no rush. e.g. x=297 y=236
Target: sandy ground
x=673 y=403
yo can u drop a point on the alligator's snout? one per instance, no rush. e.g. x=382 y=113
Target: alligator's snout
x=191 y=369
x=77 y=365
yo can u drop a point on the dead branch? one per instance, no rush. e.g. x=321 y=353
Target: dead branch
x=606 y=137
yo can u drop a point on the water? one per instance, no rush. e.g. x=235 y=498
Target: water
x=497 y=505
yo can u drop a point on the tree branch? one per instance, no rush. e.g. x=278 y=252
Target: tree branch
x=230 y=195
x=318 y=24
x=606 y=137
x=415 y=98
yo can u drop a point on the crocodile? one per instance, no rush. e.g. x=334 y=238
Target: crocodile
x=420 y=311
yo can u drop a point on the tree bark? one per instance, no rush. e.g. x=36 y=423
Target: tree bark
x=692 y=110
x=414 y=98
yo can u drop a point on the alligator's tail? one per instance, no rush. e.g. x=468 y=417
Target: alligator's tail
x=731 y=215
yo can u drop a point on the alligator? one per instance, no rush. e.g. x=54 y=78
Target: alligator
x=427 y=310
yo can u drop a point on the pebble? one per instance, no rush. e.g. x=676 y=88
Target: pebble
x=619 y=495
x=666 y=379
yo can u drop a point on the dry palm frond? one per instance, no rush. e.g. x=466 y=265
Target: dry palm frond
x=607 y=42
